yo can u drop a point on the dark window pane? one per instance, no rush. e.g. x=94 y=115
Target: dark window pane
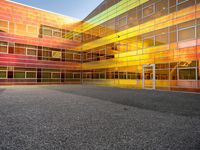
x=19 y=75
x=3 y=74
x=187 y=74
x=31 y=75
x=47 y=32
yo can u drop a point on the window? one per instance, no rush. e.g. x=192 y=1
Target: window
x=102 y=75
x=77 y=37
x=3 y=47
x=31 y=52
x=46 y=75
x=20 y=49
x=162 y=74
x=20 y=28
x=161 y=8
x=173 y=74
x=47 y=53
x=122 y=47
x=102 y=30
x=56 y=54
x=31 y=29
x=186 y=34
x=3 y=72
x=95 y=75
x=3 y=26
x=162 y=66
x=148 y=42
x=122 y=75
x=181 y=1
x=198 y=32
x=19 y=75
x=77 y=57
x=173 y=37
x=187 y=74
x=186 y=24
x=47 y=32
x=122 y=22
x=184 y=3
x=69 y=56
x=132 y=17
x=186 y=64
x=67 y=34
x=87 y=75
x=69 y=75
x=131 y=75
x=172 y=2
x=87 y=35
x=110 y=27
x=89 y=56
x=30 y=75
x=161 y=39
x=77 y=76
x=57 y=33
x=102 y=54
x=148 y=11
x=55 y=75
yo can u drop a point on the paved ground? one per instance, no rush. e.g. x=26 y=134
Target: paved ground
x=75 y=117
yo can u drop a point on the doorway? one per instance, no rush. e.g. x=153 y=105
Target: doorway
x=149 y=76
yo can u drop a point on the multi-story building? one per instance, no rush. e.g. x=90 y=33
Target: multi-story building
x=37 y=47
x=150 y=44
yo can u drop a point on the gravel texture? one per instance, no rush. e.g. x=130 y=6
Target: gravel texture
x=75 y=117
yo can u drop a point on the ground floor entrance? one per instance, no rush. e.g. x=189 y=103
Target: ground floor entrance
x=149 y=76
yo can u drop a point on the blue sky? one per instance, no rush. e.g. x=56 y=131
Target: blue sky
x=74 y=8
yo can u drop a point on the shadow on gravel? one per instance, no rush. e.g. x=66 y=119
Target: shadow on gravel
x=178 y=103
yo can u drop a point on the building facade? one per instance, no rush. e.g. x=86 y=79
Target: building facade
x=150 y=44
x=37 y=47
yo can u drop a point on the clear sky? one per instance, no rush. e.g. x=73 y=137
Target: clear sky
x=74 y=8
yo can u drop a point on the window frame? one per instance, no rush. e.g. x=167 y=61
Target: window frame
x=30 y=72
x=7 y=28
x=6 y=47
x=6 y=71
x=55 y=73
x=19 y=71
x=56 y=31
x=31 y=49
x=178 y=3
x=49 y=30
x=190 y=27
x=187 y=68
x=154 y=11
x=154 y=44
x=76 y=73
x=118 y=22
x=25 y=46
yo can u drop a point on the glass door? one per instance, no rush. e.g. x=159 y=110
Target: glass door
x=149 y=76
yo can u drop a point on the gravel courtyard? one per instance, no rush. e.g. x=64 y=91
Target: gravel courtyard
x=75 y=117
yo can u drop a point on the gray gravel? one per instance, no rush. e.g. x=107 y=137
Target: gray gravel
x=75 y=117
